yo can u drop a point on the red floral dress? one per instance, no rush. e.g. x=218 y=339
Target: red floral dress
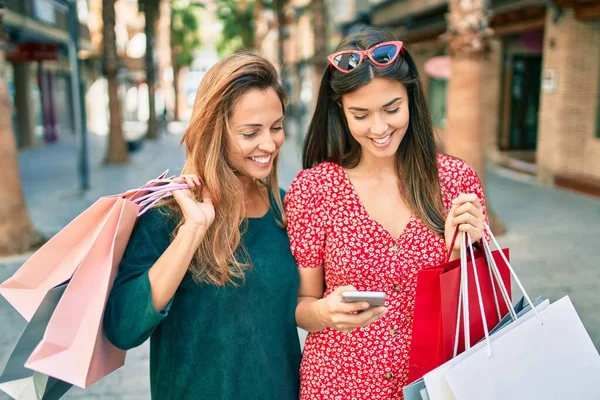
x=328 y=226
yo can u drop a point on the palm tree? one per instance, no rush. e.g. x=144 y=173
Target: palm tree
x=117 y=148
x=17 y=234
x=319 y=14
x=151 y=10
x=468 y=41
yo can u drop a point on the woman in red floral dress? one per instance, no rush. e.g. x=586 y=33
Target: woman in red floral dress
x=374 y=205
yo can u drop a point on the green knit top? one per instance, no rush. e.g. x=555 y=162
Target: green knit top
x=212 y=342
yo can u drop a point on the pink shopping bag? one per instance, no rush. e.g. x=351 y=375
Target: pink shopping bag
x=74 y=347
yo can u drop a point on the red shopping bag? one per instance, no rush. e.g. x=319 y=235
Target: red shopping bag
x=436 y=308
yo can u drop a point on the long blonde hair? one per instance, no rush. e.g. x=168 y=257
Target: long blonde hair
x=217 y=260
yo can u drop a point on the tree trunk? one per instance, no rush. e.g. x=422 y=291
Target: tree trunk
x=280 y=10
x=17 y=234
x=319 y=14
x=468 y=40
x=176 y=111
x=151 y=11
x=117 y=148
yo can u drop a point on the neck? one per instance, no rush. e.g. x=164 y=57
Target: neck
x=377 y=166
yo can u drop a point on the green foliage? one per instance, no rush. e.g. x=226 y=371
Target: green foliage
x=238 y=26
x=185 y=35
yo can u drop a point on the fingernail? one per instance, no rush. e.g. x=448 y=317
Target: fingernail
x=365 y=306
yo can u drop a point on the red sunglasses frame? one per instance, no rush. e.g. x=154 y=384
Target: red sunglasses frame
x=367 y=53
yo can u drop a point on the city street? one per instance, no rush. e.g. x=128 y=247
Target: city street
x=552 y=234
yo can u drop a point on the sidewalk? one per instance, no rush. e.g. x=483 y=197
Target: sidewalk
x=552 y=234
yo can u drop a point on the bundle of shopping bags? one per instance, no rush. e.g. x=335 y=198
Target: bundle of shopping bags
x=481 y=346
x=61 y=291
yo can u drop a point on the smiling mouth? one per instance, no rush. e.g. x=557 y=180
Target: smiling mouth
x=384 y=139
x=264 y=160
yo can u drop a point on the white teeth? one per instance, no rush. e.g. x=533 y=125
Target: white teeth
x=261 y=160
x=382 y=140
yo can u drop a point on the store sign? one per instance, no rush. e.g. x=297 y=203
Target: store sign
x=24 y=52
x=549 y=80
x=44 y=11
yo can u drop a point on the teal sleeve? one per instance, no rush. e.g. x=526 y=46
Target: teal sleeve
x=130 y=317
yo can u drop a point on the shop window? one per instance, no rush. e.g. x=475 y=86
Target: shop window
x=437 y=101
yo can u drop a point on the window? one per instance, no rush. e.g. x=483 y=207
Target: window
x=437 y=101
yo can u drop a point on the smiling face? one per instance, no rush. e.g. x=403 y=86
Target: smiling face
x=377 y=116
x=256 y=133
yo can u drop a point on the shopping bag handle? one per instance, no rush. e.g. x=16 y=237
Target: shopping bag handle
x=463 y=299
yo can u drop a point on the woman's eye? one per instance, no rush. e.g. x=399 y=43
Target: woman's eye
x=360 y=117
x=277 y=128
x=249 y=135
x=394 y=111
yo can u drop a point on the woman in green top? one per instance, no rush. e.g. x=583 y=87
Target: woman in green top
x=209 y=276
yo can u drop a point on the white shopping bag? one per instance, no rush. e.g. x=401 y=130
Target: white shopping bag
x=555 y=359
x=545 y=354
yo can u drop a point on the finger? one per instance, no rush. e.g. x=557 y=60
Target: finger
x=466 y=218
x=342 y=289
x=197 y=180
x=190 y=181
x=206 y=197
x=368 y=317
x=467 y=208
x=348 y=308
x=465 y=198
x=179 y=179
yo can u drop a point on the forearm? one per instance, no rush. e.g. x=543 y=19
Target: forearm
x=168 y=271
x=308 y=316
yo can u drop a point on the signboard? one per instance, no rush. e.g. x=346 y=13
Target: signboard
x=23 y=52
x=549 y=80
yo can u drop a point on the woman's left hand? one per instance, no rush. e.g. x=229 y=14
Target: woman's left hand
x=467 y=214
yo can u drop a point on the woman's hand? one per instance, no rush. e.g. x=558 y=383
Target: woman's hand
x=467 y=214
x=198 y=214
x=345 y=317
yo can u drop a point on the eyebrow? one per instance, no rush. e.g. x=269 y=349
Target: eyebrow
x=389 y=103
x=259 y=125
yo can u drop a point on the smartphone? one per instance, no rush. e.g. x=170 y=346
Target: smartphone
x=375 y=299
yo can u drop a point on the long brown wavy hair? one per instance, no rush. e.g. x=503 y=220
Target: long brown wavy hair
x=220 y=260
x=329 y=138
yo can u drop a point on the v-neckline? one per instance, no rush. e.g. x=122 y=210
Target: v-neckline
x=368 y=216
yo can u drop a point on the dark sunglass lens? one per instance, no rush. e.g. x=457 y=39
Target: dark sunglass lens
x=384 y=54
x=347 y=61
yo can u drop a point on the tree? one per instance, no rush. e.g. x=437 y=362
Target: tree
x=151 y=10
x=117 y=148
x=17 y=234
x=238 y=26
x=185 y=41
x=319 y=14
x=468 y=41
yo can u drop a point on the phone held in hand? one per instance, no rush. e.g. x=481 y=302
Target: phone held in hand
x=375 y=299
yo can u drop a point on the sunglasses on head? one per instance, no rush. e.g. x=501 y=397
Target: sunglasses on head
x=381 y=54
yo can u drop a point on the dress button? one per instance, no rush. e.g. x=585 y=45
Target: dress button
x=393 y=332
x=394 y=247
x=388 y=375
x=397 y=288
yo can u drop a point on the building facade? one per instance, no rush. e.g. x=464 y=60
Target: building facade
x=541 y=82
x=38 y=71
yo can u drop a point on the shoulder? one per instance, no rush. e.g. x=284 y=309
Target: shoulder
x=158 y=219
x=315 y=179
x=454 y=172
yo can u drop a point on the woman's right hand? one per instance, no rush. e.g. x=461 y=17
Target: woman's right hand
x=199 y=214
x=345 y=317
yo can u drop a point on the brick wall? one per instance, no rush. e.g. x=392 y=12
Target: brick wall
x=566 y=141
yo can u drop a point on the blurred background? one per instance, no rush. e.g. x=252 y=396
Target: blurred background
x=95 y=94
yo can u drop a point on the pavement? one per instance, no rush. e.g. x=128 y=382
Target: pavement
x=552 y=234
